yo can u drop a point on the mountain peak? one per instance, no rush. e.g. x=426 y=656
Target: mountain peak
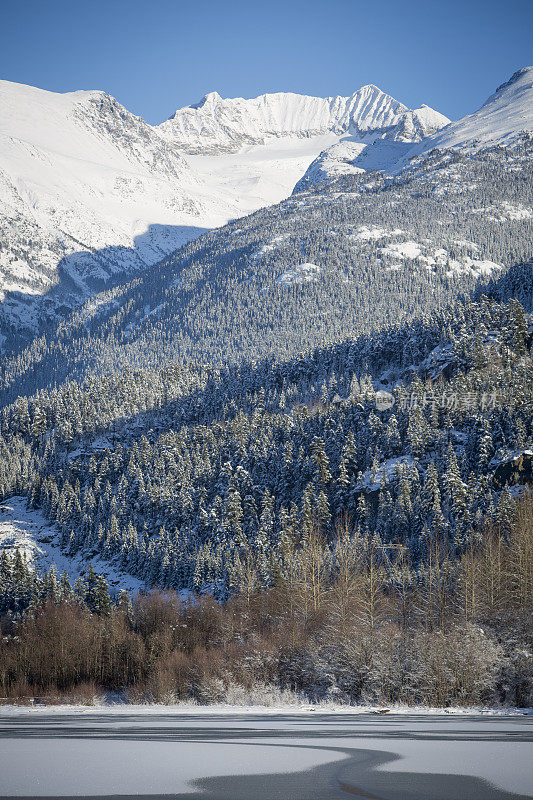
x=371 y=87
x=518 y=76
x=208 y=99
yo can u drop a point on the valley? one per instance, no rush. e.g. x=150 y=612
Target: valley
x=266 y=400
x=287 y=450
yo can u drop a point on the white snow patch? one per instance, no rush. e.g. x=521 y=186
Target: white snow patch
x=518 y=212
x=371 y=480
x=472 y=266
x=303 y=708
x=365 y=233
x=270 y=246
x=303 y=273
x=402 y=250
x=25 y=529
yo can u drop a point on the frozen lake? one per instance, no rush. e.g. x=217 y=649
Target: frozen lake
x=291 y=756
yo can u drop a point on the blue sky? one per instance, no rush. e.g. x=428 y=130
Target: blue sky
x=157 y=56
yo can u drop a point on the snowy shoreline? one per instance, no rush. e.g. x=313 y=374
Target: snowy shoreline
x=220 y=709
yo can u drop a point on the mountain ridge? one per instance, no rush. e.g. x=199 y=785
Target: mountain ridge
x=217 y=124
x=503 y=116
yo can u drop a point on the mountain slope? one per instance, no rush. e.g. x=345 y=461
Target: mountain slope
x=81 y=179
x=501 y=121
x=214 y=404
x=198 y=477
x=344 y=258
x=91 y=194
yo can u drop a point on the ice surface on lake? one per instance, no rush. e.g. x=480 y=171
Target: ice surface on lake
x=164 y=751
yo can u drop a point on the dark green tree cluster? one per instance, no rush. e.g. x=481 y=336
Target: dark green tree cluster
x=23 y=587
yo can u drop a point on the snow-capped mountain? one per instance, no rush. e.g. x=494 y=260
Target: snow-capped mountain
x=501 y=120
x=91 y=193
x=226 y=125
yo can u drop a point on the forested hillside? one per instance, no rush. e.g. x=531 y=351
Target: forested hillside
x=201 y=478
x=359 y=628
x=359 y=254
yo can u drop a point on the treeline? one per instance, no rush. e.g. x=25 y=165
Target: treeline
x=355 y=622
